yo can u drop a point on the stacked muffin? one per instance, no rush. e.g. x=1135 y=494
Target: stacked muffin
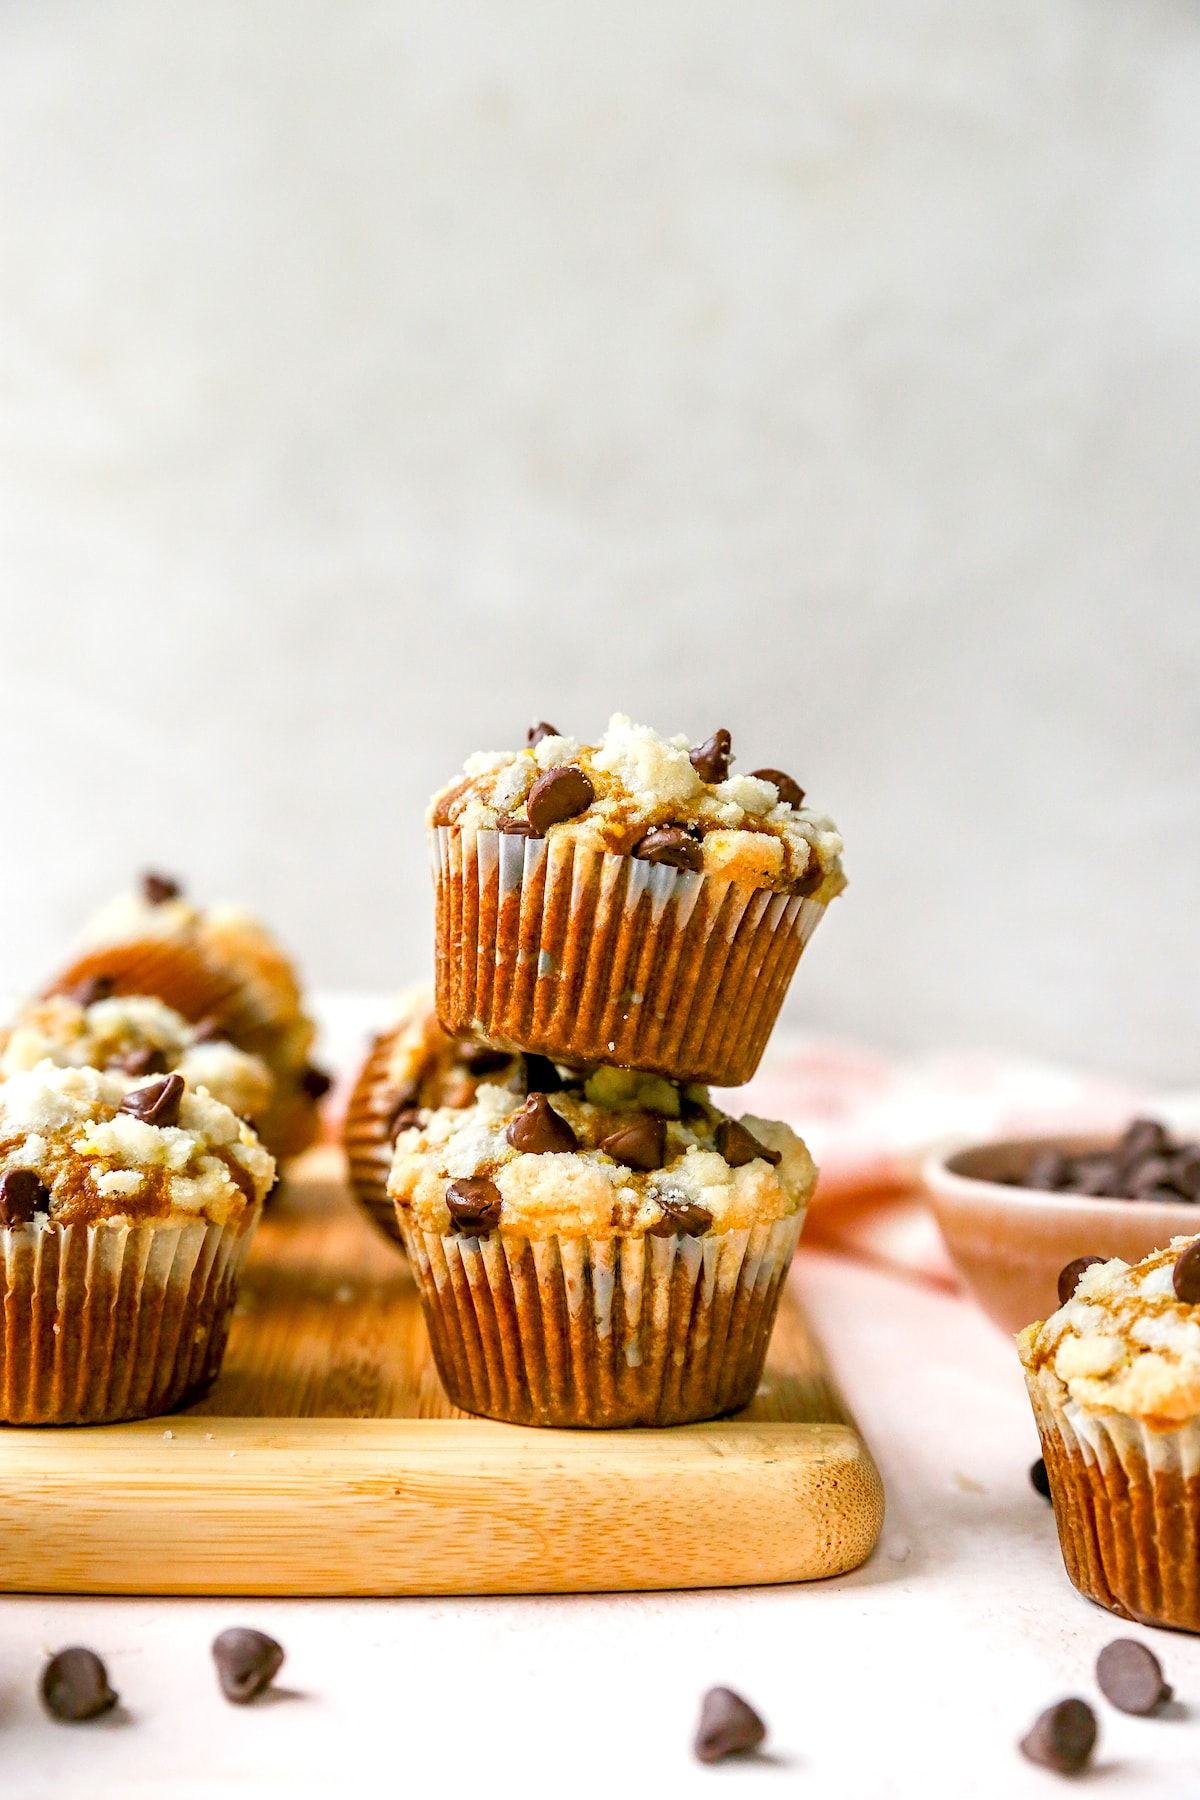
x=595 y=1242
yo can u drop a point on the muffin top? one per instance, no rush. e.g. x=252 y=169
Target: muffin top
x=659 y=799
x=137 y=1035
x=1126 y=1341
x=601 y=1155
x=79 y=1145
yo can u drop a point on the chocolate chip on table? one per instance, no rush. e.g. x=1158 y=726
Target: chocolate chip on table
x=538 y=1130
x=315 y=1082
x=474 y=1204
x=542 y=730
x=1062 y=1738
x=640 y=1145
x=739 y=1146
x=711 y=758
x=541 y=1076
x=157 y=1103
x=1068 y=1278
x=22 y=1194
x=790 y=792
x=91 y=989
x=482 y=1059
x=1186 y=1276
x=75 y=1686
x=1039 y=1479
x=158 y=889
x=1129 y=1676
x=146 y=1061
x=247 y=1663
x=672 y=845
x=729 y=1726
x=680 y=1218
x=559 y=794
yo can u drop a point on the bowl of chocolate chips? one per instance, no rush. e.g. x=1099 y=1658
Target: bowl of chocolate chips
x=1017 y=1214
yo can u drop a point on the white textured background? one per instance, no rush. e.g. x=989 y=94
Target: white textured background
x=375 y=376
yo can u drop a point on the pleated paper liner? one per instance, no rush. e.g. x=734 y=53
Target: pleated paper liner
x=366 y=1135
x=602 y=1332
x=114 y=1321
x=583 y=956
x=1127 y=1506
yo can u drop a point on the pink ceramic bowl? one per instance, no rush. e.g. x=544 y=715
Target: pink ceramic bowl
x=1009 y=1243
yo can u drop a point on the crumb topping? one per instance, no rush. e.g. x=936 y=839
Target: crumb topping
x=743 y=828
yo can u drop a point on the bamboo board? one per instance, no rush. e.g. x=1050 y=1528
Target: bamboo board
x=327 y=1460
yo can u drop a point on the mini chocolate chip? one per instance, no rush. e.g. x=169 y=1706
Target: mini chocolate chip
x=790 y=792
x=672 y=845
x=247 y=1663
x=538 y=1130
x=95 y=987
x=474 y=1204
x=515 y=827
x=22 y=1193
x=210 y=1030
x=1068 y=1279
x=559 y=794
x=158 y=889
x=680 y=1218
x=1186 y=1278
x=541 y=1076
x=157 y=1103
x=1047 y=1171
x=711 y=758
x=403 y=1118
x=1143 y=1137
x=729 y=1726
x=1039 y=1478
x=146 y=1061
x=1128 y=1674
x=315 y=1082
x=641 y=1145
x=542 y=730
x=739 y=1146
x=1062 y=1738
x=75 y=1686
x=482 y=1059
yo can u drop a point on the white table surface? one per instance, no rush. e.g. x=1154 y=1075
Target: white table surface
x=913 y=1676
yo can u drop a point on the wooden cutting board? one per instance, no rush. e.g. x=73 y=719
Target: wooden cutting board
x=327 y=1460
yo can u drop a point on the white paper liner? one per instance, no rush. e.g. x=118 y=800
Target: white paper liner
x=601 y=1331
x=550 y=946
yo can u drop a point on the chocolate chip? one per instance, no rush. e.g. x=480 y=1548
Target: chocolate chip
x=810 y=881
x=1185 y=1173
x=157 y=1103
x=642 y=1145
x=1186 y=1278
x=1062 y=1738
x=158 y=889
x=559 y=794
x=1143 y=1137
x=711 y=758
x=1155 y=1172
x=538 y=1130
x=247 y=1663
x=790 y=792
x=1047 y=1171
x=482 y=1059
x=146 y=1061
x=739 y=1146
x=315 y=1082
x=474 y=1205
x=1068 y=1279
x=515 y=827
x=542 y=730
x=22 y=1193
x=75 y=1686
x=541 y=1076
x=1128 y=1674
x=729 y=1726
x=672 y=845
x=1039 y=1478
x=680 y=1218
x=210 y=1030
x=403 y=1118
x=95 y=987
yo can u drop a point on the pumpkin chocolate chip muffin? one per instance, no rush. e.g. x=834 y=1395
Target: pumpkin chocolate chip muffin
x=126 y=1207
x=608 y=1249
x=1114 y=1379
x=631 y=901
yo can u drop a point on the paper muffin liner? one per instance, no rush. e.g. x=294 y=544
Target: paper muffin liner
x=601 y=1331
x=366 y=1136
x=114 y=1320
x=584 y=956
x=1127 y=1506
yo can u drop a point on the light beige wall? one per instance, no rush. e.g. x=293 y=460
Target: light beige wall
x=375 y=376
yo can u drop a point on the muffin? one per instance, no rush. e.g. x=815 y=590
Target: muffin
x=610 y=1251
x=411 y=1069
x=137 y=1035
x=224 y=973
x=126 y=1208
x=630 y=901
x=1114 y=1378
